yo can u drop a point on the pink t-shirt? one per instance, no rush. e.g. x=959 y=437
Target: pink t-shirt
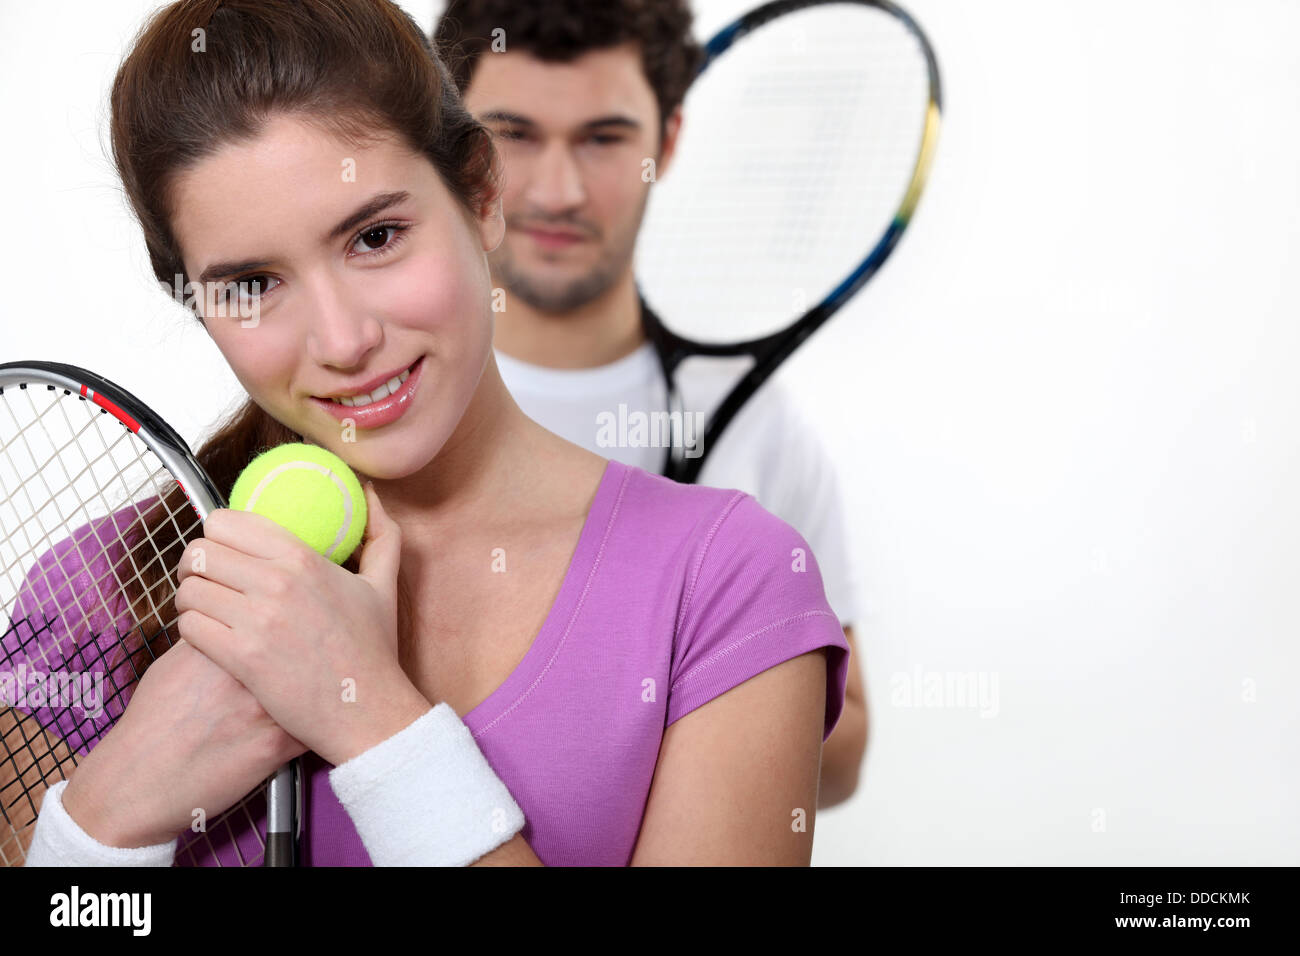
x=674 y=595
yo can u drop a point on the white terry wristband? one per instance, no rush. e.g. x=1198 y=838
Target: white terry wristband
x=427 y=796
x=59 y=841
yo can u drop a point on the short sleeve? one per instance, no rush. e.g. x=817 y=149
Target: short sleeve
x=753 y=599
x=812 y=502
x=774 y=452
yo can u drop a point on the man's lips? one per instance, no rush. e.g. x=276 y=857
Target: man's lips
x=554 y=237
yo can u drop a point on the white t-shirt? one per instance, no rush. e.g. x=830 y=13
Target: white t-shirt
x=768 y=450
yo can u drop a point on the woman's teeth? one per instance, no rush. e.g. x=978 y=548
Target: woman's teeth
x=383 y=391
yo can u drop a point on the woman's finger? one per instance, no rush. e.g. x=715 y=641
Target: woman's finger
x=213 y=599
x=220 y=563
x=214 y=640
x=381 y=554
x=251 y=533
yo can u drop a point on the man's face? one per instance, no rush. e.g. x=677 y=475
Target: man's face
x=575 y=139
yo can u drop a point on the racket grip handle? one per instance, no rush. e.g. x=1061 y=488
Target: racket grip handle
x=282 y=817
x=279 y=849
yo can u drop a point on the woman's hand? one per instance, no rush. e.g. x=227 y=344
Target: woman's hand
x=314 y=643
x=191 y=738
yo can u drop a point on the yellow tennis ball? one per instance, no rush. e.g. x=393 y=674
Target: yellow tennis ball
x=310 y=491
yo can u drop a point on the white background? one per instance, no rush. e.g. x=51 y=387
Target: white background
x=1065 y=414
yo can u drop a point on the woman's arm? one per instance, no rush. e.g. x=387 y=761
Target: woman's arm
x=516 y=852
x=737 y=778
x=426 y=796
x=13 y=838
x=843 y=751
x=736 y=781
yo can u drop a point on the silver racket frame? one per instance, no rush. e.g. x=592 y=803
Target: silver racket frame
x=284 y=791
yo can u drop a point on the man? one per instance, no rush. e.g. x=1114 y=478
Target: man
x=578 y=96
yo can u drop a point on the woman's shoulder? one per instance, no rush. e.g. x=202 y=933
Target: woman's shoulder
x=745 y=586
x=71 y=593
x=706 y=519
x=673 y=504
x=724 y=548
x=67 y=622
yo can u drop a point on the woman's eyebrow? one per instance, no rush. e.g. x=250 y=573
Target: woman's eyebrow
x=371 y=207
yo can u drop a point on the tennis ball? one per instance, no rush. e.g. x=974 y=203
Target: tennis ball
x=308 y=490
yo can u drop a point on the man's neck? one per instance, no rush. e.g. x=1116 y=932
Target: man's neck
x=602 y=331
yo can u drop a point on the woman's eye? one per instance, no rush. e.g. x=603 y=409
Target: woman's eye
x=377 y=238
x=247 y=288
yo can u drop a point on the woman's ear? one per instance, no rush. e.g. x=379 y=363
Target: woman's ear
x=492 y=223
x=491 y=218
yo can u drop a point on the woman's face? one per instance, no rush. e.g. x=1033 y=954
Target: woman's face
x=339 y=280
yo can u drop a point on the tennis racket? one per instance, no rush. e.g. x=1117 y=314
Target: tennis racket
x=807 y=138
x=88 y=599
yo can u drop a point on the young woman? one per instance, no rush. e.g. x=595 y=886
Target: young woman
x=539 y=657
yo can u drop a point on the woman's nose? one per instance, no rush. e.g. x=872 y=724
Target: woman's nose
x=341 y=333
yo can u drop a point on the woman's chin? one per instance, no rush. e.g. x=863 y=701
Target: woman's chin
x=385 y=460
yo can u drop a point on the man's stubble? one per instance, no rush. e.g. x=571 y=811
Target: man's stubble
x=557 y=297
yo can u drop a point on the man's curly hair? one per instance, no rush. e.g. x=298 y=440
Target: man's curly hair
x=562 y=30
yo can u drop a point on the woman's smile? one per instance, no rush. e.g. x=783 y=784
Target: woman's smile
x=395 y=398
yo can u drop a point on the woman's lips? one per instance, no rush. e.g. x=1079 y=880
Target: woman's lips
x=383 y=412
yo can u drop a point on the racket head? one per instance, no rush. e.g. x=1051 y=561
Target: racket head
x=86 y=593
x=807 y=137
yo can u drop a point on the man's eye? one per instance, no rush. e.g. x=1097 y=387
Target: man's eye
x=511 y=134
x=606 y=140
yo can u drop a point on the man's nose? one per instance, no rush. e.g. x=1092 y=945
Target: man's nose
x=556 y=182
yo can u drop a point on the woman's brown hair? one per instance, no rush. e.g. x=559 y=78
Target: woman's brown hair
x=202 y=74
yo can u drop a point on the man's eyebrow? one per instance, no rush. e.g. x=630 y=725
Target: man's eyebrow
x=604 y=121
x=372 y=207
x=505 y=116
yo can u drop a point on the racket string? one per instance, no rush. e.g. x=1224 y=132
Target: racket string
x=76 y=491
x=85 y=521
